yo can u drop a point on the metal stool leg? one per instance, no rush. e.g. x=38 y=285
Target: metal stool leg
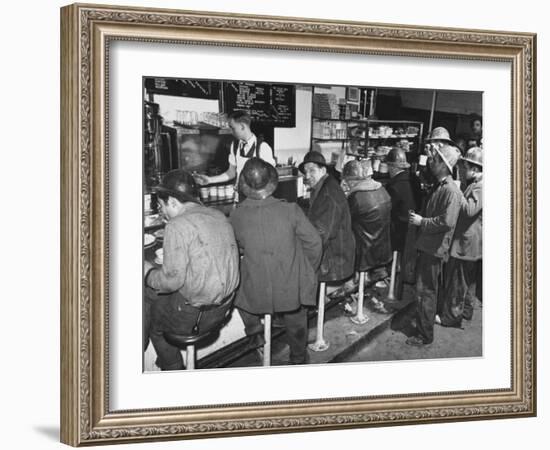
x=360 y=317
x=391 y=292
x=267 y=340
x=190 y=357
x=320 y=345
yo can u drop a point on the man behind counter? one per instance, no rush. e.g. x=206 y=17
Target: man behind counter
x=245 y=146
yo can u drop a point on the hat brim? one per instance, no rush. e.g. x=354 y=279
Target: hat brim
x=181 y=196
x=471 y=161
x=398 y=165
x=449 y=166
x=259 y=194
x=453 y=143
x=263 y=192
x=302 y=165
x=353 y=178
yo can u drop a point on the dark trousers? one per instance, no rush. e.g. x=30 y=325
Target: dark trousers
x=479 y=280
x=171 y=313
x=428 y=273
x=460 y=291
x=295 y=323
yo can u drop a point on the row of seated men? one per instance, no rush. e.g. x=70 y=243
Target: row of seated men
x=270 y=256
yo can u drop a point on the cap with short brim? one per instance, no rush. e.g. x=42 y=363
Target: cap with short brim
x=450 y=156
x=313 y=157
x=440 y=134
x=179 y=184
x=258 y=179
x=474 y=156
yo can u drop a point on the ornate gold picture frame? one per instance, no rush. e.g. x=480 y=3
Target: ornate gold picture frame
x=87 y=31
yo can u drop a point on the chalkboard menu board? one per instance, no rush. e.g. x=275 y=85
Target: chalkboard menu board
x=184 y=87
x=273 y=104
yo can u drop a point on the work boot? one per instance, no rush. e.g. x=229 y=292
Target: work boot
x=416 y=341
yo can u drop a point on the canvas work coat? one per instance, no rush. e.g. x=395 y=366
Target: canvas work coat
x=439 y=219
x=467 y=239
x=201 y=259
x=329 y=214
x=370 y=208
x=281 y=252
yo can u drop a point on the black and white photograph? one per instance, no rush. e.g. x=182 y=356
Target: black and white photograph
x=293 y=224
x=275 y=225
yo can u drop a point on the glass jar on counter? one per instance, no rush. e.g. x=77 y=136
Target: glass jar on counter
x=204 y=192
x=220 y=191
x=213 y=193
x=229 y=191
x=147 y=203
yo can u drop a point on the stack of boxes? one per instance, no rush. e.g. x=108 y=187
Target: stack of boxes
x=325 y=106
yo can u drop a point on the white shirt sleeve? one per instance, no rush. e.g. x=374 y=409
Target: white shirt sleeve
x=232 y=158
x=266 y=153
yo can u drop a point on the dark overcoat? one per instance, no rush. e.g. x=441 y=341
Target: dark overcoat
x=370 y=207
x=402 y=200
x=281 y=252
x=329 y=213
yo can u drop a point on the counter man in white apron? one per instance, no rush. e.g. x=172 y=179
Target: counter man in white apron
x=245 y=146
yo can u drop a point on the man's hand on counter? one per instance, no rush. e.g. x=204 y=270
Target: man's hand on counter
x=201 y=179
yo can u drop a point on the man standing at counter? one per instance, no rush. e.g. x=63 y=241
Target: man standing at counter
x=403 y=200
x=466 y=248
x=405 y=196
x=436 y=227
x=245 y=146
x=329 y=213
x=200 y=267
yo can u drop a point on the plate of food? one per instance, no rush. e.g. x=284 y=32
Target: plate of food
x=148 y=240
x=153 y=220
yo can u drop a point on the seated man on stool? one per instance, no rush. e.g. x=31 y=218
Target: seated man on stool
x=281 y=252
x=200 y=267
x=370 y=208
x=329 y=213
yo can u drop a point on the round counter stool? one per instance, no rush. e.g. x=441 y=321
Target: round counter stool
x=219 y=315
